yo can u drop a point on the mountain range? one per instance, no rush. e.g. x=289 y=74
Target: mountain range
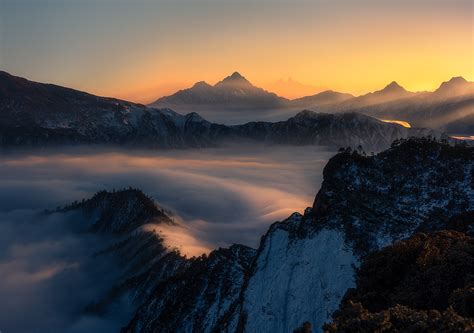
x=37 y=114
x=449 y=108
x=373 y=225
x=234 y=91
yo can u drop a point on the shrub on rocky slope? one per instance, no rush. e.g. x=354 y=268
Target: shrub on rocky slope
x=423 y=284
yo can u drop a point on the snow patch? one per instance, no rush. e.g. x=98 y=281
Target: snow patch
x=298 y=280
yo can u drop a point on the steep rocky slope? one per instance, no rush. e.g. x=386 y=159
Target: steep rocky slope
x=142 y=255
x=423 y=284
x=199 y=298
x=305 y=264
x=172 y=287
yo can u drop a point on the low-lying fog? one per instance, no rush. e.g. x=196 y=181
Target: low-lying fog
x=221 y=196
x=225 y=195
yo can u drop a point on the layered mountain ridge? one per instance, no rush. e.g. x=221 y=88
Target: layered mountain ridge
x=449 y=108
x=36 y=114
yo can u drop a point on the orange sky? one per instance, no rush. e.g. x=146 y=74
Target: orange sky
x=143 y=50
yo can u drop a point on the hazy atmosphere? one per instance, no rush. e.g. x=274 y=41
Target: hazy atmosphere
x=144 y=49
x=225 y=195
x=236 y=166
x=220 y=196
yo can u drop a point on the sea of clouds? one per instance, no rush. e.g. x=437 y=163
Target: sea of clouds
x=219 y=196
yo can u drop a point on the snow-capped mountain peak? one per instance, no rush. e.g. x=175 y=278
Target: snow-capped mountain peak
x=234 y=80
x=393 y=87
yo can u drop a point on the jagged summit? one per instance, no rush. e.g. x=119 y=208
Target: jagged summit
x=120 y=211
x=233 y=92
x=392 y=90
x=234 y=80
x=234 y=76
x=386 y=188
x=455 y=86
x=456 y=80
x=202 y=84
x=393 y=87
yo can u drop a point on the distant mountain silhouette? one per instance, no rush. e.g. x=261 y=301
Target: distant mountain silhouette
x=450 y=108
x=322 y=98
x=233 y=92
x=391 y=92
x=457 y=86
x=236 y=100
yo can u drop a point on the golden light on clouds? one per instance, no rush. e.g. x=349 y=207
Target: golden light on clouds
x=398 y=122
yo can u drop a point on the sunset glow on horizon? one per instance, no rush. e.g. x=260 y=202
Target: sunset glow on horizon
x=150 y=49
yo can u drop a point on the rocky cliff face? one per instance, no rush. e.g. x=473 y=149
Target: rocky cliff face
x=296 y=267
x=161 y=284
x=417 y=185
x=305 y=264
x=199 y=298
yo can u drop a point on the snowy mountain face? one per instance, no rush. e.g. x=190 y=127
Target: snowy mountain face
x=305 y=264
x=296 y=267
x=237 y=92
x=417 y=185
x=233 y=92
x=199 y=298
x=35 y=114
x=310 y=259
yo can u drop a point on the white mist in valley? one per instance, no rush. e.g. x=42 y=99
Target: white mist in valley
x=49 y=273
x=222 y=195
x=217 y=197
